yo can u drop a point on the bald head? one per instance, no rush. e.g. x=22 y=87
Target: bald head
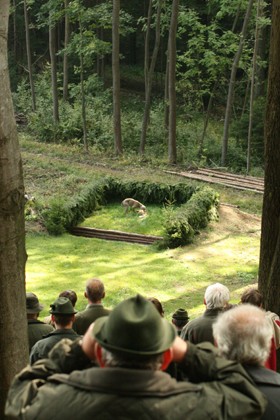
x=95 y=290
x=243 y=334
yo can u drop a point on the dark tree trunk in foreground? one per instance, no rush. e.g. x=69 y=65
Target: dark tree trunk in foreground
x=269 y=271
x=13 y=330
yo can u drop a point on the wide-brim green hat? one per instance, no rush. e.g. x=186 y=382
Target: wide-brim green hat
x=134 y=327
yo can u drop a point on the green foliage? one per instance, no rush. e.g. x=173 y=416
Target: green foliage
x=240 y=130
x=149 y=192
x=62 y=215
x=182 y=224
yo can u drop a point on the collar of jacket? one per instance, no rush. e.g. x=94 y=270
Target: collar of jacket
x=93 y=305
x=128 y=382
x=62 y=331
x=262 y=375
x=212 y=312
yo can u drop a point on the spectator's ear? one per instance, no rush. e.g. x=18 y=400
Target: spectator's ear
x=85 y=295
x=166 y=359
x=98 y=354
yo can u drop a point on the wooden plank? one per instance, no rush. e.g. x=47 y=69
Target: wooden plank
x=212 y=180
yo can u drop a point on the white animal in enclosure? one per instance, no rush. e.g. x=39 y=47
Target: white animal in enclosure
x=130 y=203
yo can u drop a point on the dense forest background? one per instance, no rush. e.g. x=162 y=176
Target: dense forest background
x=112 y=76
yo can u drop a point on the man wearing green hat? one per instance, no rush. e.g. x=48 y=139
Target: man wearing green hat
x=132 y=345
x=62 y=315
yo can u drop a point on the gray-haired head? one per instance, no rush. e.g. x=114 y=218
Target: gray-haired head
x=243 y=334
x=216 y=296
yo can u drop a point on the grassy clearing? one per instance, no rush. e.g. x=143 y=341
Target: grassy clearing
x=177 y=277
x=113 y=217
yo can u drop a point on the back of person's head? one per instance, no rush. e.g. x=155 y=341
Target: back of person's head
x=71 y=295
x=62 y=311
x=180 y=318
x=216 y=296
x=243 y=334
x=134 y=335
x=252 y=296
x=157 y=304
x=33 y=306
x=95 y=290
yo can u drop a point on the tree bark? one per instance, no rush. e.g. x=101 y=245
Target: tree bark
x=65 y=55
x=116 y=77
x=269 y=270
x=252 y=90
x=172 y=153
x=232 y=82
x=52 y=48
x=149 y=74
x=83 y=96
x=13 y=327
x=28 y=53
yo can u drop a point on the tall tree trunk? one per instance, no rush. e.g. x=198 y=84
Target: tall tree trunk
x=83 y=98
x=172 y=152
x=28 y=53
x=261 y=73
x=149 y=80
x=269 y=270
x=52 y=48
x=147 y=43
x=15 y=30
x=116 y=77
x=212 y=94
x=254 y=66
x=166 y=96
x=206 y=119
x=232 y=82
x=65 y=55
x=13 y=326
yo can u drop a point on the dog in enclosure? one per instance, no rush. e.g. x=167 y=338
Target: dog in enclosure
x=131 y=204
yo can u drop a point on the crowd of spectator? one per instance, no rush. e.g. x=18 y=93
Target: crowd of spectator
x=220 y=365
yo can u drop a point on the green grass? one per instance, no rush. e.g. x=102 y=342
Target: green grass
x=178 y=278
x=113 y=217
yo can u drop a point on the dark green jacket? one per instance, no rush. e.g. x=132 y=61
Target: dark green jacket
x=84 y=318
x=41 y=349
x=37 y=330
x=200 y=329
x=52 y=389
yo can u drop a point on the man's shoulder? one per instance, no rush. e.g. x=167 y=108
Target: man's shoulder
x=91 y=310
x=264 y=376
x=40 y=326
x=194 y=322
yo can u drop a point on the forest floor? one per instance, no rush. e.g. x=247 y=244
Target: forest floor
x=235 y=234
x=233 y=220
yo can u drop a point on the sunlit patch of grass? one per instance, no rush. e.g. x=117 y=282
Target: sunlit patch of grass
x=178 y=278
x=113 y=217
